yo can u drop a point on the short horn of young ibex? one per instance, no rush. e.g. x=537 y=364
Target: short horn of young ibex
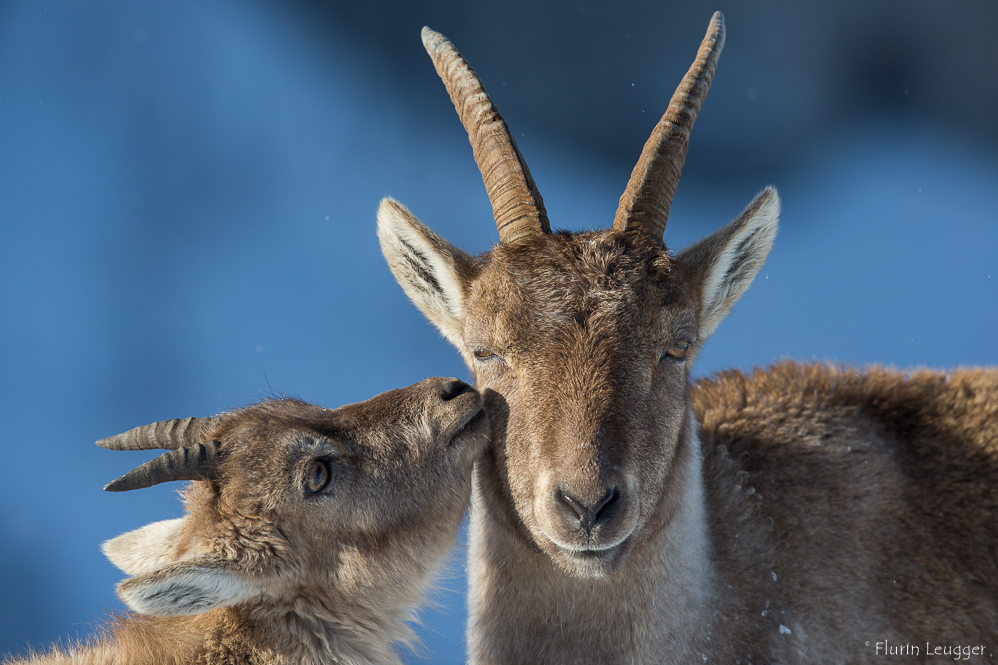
x=623 y=514
x=311 y=537
x=188 y=459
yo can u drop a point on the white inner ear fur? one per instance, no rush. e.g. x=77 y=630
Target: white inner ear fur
x=185 y=589
x=147 y=549
x=424 y=265
x=743 y=246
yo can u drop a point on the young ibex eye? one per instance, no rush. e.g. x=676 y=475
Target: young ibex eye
x=317 y=476
x=677 y=351
x=484 y=355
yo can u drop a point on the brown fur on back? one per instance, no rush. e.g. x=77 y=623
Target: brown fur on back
x=843 y=502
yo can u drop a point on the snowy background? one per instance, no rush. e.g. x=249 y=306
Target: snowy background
x=187 y=198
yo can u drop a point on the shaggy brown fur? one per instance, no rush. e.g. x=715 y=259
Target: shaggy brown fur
x=817 y=511
x=588 y=539
x=819 y=516
x=604 y=531
x=263 y=571
x=853 y=508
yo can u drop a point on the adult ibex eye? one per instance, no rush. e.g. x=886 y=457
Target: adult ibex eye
x=317 y=476
x=677 y=351
x=483 y=354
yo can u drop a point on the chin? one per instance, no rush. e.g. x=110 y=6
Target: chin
x=588 y=564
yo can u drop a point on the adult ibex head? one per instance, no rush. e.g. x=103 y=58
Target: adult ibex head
x=582 y=343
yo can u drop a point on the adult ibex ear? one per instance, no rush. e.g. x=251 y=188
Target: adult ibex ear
x=146 y=549
x=722 y=266
x=187 y=587
x=432 y=272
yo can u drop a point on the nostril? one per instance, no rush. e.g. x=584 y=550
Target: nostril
x=577 y=506
x=605 y=502
x=588 y=514
x=453 y=388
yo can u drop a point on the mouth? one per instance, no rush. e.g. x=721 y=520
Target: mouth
x=581 y=544
x=590 y=563
x=468 y=421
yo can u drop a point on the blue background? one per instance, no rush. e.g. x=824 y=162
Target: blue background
x=187 y=198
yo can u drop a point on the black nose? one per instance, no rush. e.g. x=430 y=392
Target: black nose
x=589 y=514
x=453 y=388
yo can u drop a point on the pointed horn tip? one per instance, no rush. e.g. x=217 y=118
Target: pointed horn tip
x=118 y=485
x=109 y=442
x=431 y=38
x=717 y=27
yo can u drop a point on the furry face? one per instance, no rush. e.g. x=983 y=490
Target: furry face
x=309 y=502
x=582 y=346
x=569 y=340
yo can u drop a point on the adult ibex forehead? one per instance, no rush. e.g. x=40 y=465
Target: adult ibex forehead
x=581 y=342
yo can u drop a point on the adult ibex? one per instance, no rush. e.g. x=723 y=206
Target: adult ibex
x=622 y=515
x=310 y=534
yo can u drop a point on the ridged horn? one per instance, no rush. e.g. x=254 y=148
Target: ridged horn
x=196 y=462
x=516 y=204
x=646 y=201
x=166 y=434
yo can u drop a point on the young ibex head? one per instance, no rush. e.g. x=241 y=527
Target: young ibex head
x=334 y=515
x=581 y=342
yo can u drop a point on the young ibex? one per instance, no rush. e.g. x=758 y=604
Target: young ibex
x=621 y=515
x=310 y=539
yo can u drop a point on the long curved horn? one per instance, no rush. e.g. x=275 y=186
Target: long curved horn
x=196 y=462
x=516 y=204
x=646 y=201
x=166 y=434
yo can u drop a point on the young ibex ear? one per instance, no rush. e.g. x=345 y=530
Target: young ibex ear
x=164 y=582
x=187 y=587
x=146 y=549
x=431 y=271
x=722 y=265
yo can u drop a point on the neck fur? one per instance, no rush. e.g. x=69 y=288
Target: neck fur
x=523 y=608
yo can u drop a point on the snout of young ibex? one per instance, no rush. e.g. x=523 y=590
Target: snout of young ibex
x=617 y=517
x=310 y=535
